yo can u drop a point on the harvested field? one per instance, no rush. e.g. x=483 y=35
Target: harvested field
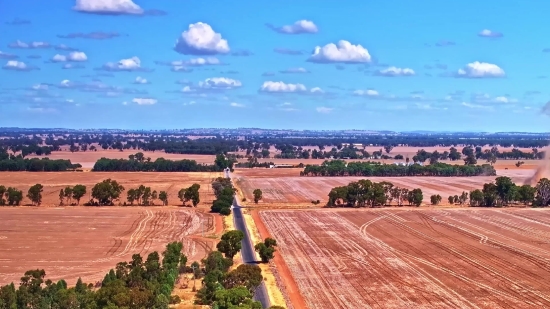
x=300 y=191
x=416 y=258
x=88 y=158
x=54 y=181
x=86 y=242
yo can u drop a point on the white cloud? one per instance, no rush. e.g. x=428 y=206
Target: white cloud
x=108 y=7
x=141 y=80
x=144 y=101
x=295 y=70
x=316 y=90
x=181 y=68
x=130 y=64
x=475 y=106
x=343 y=52
x=203 y=61
x=4 y=55
x=286 y=104
x=324 y=110
x=17 y=66
x=489 y=33
x=395 y=71
x=59 y=58
x=233 y=104
x=200 y=39
x=503 y=99
x=72 y=66
x=369 y=93
x=77 y=56
x=186 y=89
x=40 y=87
x=299 y=27
x=32 y=45
x=219 y=83
x=270 y=86
x=480 y=70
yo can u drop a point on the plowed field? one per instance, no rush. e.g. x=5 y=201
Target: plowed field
x=86 y=242
x=409 y=258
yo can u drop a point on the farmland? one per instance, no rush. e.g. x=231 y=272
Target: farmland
x=415 y=258
x=300 y=191
x=55 y=181
x=86 y=242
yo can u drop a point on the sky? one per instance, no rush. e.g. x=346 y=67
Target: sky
x=378 y=65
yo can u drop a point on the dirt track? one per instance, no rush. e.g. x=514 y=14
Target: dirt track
x=86 y=242
x=409 y=258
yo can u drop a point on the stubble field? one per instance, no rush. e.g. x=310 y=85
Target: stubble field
x=74 y=242
x=410 y=258
x=55 y=181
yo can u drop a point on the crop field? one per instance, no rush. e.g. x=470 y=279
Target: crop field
x=278 y=191
x=55 y=181
x=86 y=242
x=410 y=258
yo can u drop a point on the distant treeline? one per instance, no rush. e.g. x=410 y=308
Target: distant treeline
x=340 y=168
x=137 y=163
x=37 y=165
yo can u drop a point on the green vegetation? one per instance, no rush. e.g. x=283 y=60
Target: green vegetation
x=190 y=194
x=230 y=244
x=340 y=168
x=138 y=163
x=143 y=195
x=134 y=284
x=35 y=194
x=106 y=192
x=266 y=249
x=504 y=192
x=10 y=196
x=18 y=164
x=257 y=195
x=436 y=199
x=364 y=193
x=224 y=192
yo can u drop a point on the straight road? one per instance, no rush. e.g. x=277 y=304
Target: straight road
x=247 y=252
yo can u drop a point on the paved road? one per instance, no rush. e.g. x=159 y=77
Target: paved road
x=247 y=252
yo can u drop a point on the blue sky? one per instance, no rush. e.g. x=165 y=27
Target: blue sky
x=381 y=65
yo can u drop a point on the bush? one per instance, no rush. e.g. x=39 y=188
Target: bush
x=225 y=211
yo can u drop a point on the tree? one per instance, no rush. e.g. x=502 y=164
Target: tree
x=78 y=192
x=68 y=192
x=107 y=191
x=230 y=243
x=131 y=196
x=415 y=197
x=257 y=195
x=526 y=194
x=192 y=194
x=470 y=159
x=61 y=197
x=266 y=249
x=543 y=192
x=154 y=196
x=247 y=275
x=388 y=148
x=505 y=189
x=35 y=194
x=435 y=199
x=476 y=198
x=463 y=198
x=163 y=196
x=14 y=196
x=451 y=199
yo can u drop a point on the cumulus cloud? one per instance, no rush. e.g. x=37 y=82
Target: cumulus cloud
x=40 y=87
x=274 y=87
x=192 y=62
x=475 y=106
x=68 y=66
x=288 y=51
x=486 y=33
x=115 y=7
x=201 y=39
x=140 y=80
x=145 y=101
x=98 y=87
x=368 y=93
x=181 y=68
x=343 y=52
x=294 y=71
x=30 y=45
x=233 y=104
x=65 y=47
x=4 y=55
x=299 y=27
x=130 y=64
x=14 y=65
x=324 y=110
x=219 y=83
x=73 y=57
x=96 y=35
x=480 y=70
x=395 y=71
x=316 y=90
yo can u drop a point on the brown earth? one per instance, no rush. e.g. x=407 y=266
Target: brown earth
x=55 y=181
x=72 y=242
x=411 y=258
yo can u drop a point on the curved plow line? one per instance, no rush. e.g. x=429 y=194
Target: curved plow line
x=441 y=288
x=495 y=233
x=489 y=269
x=527 y=228
x=494 y=271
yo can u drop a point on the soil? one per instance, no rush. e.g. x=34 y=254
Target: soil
x=72 y=242
x=416 y=258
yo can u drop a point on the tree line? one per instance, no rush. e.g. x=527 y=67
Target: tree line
x=138 y=163
x=136 y=284
x=11 y=163
x=224 y=192
x=341 y=168
x=366 y=193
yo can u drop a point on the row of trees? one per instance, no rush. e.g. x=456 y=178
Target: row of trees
x=364 y=193
x=224 y=192
x=10 y=196
x=135 y=284
x=190 y=194
x=137 y=163
x=67 y=195
x=17 y=164
x=341 y=168
x=144 y=196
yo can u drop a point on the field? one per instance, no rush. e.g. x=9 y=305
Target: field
x=280 y=190
x=86 y=242
x=411 y=258
x=54 y=181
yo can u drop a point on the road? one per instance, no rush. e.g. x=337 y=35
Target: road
x=247 y=252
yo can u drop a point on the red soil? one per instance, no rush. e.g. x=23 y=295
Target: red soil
x=290 y=286
x=86 y=242
x=409 y=258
